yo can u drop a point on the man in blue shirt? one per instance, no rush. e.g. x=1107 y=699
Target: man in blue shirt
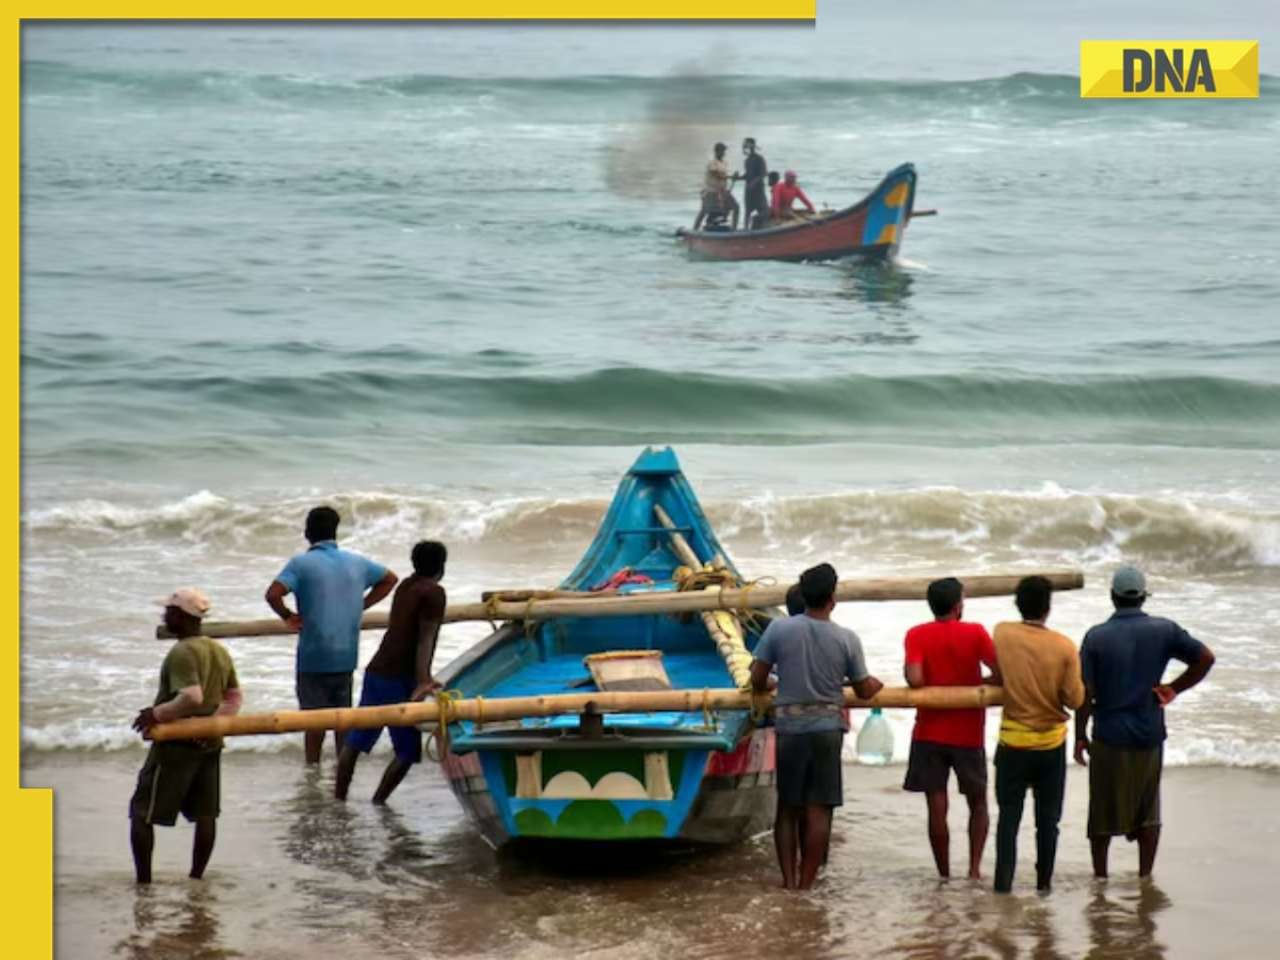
x=815 y=659
x=331 y=586
x=1122 y=662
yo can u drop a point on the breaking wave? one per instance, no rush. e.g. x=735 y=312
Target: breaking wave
x=1173 y=533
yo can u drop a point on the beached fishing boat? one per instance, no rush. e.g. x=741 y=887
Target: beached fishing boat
x=704 y=776
x=870 y=229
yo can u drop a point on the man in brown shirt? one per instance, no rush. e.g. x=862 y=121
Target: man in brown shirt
x=1041 y=676
x=401 y=669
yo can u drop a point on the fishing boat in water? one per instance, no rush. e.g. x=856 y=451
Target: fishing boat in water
x=871 y=229
x=704 y=776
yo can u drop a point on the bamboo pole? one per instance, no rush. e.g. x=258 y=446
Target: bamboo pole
x=750 y=597
x=550 y=705
x=724 y=629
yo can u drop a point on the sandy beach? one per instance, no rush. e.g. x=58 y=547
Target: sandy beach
x=296 y=873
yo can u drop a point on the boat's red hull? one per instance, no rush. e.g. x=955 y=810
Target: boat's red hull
x=870 y=229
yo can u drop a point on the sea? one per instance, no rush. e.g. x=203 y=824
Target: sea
x=427 y=274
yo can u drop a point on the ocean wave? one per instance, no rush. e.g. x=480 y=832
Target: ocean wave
x=688 y=93
x=611 y=405
x=1170 y=533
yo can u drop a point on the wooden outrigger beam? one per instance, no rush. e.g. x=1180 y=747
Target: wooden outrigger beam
x=484 y=710
x=749 y=597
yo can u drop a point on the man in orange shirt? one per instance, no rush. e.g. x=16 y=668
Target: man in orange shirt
x=949 y=653
x=1041 y=674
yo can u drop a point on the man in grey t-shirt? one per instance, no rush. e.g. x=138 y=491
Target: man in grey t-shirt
x=814 y=658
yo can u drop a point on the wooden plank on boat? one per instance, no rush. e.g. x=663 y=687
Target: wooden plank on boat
x=749 y=597
x=551 y=705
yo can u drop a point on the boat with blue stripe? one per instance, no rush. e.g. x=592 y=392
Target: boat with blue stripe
x=702 y=776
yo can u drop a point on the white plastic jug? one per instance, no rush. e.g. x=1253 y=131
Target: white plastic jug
x=875 y=739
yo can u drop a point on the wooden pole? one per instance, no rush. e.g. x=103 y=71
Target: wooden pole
x=750 y=597
x=551 y=705
x=724 y=629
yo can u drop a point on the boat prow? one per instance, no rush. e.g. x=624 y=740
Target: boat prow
x=702 y=776
x=871 y=229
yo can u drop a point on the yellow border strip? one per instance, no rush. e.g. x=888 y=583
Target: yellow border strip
x=26 y=887
x=720 y=10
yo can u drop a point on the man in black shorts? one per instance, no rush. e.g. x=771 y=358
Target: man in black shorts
x=814 y=659
x=197 y=679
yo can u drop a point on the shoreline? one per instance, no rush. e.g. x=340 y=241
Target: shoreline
x=295 y=870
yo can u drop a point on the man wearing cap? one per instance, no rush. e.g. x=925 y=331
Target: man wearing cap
x=815 y=658
x=197 y=679
x=1123 y=662
x=331 y=586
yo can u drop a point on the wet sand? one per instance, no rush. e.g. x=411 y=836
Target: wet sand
x=297 y=874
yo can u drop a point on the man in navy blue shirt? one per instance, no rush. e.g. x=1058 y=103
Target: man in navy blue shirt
x=330 y=585
x=1123 y=662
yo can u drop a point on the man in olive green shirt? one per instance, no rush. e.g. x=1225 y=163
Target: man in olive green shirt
x=197 y=679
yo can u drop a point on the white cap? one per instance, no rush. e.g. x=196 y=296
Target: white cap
x=188 y=600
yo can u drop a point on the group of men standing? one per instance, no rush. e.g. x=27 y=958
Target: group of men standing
x=759 y=207
x=331 y=588
x=1116 y=678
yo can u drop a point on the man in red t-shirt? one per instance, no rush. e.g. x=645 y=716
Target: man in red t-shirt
x=949 y=653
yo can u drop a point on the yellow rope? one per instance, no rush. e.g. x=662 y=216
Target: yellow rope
x=445 y=714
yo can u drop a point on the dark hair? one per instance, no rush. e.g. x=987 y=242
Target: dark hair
x=795 y=600
x=818 y=585
x=943 y=595
x=719 y=146
x=773 y=177
x=1127 y=603
x=322 y=524
x=428 y=557
x=750 y=140
x=1032 y=597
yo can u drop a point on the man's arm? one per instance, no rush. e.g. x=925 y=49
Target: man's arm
x=913 y=661
x=868 y=687
x=275 y=600
x=1187 y=679
x=1082 y=726
x=805 y=200
x=428 y=632
x=987 y=654
x=1072 y=693
x=760 y=676
x=184 y=704
x=232 y=700
x=378 y=592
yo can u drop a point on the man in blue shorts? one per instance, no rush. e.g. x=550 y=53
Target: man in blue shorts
x=401 y=669
x=814 y=658
x=331 y=586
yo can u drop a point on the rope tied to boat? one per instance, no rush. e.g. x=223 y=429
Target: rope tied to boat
x=446 y=713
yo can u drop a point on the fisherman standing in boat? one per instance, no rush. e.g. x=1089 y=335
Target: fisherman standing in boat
x=717 y=198
x=1123 y=662
x=330 y=585
x=401 y=669
x=814 y=659
x=197 y=679
x=949 y=653
x=755 y=200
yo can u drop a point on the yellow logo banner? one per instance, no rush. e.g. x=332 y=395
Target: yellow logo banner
x=1169 y=69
